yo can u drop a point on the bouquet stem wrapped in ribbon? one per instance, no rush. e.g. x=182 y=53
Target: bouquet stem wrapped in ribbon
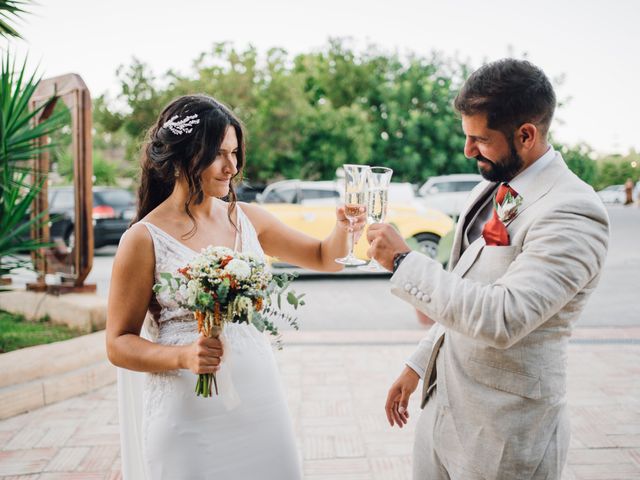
x=222 y=286
x=210 y=325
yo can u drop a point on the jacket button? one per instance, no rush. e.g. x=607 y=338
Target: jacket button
x=413 y=291
x=419 y=295
x=407 y=287
x=426 y=298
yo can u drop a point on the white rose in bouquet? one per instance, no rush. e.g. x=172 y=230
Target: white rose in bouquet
x=238 y=268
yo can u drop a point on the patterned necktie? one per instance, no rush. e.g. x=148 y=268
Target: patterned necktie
x=494 y=231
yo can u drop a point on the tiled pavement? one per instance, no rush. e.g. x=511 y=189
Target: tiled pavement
x=336 y=385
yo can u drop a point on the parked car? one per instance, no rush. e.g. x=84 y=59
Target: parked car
x=247 y=192
x=448 y=193
x=613 y=195
x=113 y=209
x=310 y=207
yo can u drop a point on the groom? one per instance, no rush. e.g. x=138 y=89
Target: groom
x=528 y=251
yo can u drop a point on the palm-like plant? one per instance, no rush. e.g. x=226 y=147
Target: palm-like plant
x=10 y=11
x=19 y=134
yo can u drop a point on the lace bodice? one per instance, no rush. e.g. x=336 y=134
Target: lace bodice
x=173 y=324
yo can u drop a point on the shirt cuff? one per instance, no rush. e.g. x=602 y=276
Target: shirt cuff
x=415 y=368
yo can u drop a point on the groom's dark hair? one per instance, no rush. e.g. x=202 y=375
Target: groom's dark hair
x=510 y=92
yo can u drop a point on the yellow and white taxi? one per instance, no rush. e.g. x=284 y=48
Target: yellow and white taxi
x=310 y=207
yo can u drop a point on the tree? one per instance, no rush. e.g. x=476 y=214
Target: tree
x=616 y=169
x=580 y=159
x=307 y=115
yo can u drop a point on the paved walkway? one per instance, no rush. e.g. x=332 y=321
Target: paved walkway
x=336 y=385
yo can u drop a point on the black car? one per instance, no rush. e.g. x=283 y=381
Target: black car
x=113 y=209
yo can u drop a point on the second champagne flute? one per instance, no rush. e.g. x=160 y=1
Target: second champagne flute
x=355 y=198
x=378 y=181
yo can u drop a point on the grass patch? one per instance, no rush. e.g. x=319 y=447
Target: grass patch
x=16 y=332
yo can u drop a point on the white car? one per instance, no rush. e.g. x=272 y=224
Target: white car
x=448 y=193
x=613 y=195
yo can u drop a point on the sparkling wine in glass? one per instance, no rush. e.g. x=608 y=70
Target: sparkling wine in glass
x=355 y=198
x=378 y=180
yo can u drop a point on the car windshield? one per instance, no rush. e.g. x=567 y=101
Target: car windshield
x=465 y=186
x=281 y=195
x=317 y=193
x=114 y=198
x=62 y=199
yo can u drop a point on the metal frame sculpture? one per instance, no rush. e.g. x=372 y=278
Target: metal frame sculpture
x=71 y=90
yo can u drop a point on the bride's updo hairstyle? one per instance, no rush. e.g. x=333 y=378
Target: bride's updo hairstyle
x=184 y=142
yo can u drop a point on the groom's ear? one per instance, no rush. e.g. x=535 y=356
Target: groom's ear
x=527 y=135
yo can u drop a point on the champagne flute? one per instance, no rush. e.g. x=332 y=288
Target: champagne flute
x=355 y=198
x=378 y=180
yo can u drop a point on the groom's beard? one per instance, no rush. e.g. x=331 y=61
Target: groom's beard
x=504 y=170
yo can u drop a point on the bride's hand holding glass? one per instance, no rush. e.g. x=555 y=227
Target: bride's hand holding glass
x=354 y=223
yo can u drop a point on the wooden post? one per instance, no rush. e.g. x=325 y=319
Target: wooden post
x=72 y=90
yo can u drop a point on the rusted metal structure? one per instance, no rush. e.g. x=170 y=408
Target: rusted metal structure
x=75 y=264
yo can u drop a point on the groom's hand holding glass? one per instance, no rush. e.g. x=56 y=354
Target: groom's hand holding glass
x=385 y=243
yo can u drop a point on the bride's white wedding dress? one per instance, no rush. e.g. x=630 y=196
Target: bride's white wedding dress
x=167 y=432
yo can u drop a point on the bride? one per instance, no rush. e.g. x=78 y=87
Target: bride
x=193 y=153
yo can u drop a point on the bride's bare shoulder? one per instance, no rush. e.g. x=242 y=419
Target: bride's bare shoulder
x=136 y=245
x=258 y=216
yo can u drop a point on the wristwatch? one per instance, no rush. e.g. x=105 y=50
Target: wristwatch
x=397 y=260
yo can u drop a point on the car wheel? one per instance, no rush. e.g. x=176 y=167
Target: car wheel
x=428 y=244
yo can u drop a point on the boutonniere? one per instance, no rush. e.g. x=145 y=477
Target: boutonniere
x=508 y=208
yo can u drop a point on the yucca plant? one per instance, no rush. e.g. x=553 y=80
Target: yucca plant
x=19 y=134
x=10 y=11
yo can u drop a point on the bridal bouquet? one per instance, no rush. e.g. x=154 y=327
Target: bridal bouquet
x=221 y=286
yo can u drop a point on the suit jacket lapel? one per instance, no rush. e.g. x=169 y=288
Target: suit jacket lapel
x=456 y=249
x=543 y=183
x=469 y=257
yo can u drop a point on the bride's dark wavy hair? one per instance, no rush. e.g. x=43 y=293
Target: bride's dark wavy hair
x=165 y=153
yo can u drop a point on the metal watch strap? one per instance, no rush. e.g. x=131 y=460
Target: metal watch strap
x=397 y=260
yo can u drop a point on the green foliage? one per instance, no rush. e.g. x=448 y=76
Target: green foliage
x=16 y=332
x=19 y=135
x=616 y=169
x=10 y=11
x=307 y=114
x=580 y=159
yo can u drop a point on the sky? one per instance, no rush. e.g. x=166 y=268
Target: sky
x=593 y=45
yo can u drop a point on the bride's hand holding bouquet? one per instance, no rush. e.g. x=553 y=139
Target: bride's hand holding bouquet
x=223 y=286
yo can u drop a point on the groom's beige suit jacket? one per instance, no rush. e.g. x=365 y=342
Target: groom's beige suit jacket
x=504 y=317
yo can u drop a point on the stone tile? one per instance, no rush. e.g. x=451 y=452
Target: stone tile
x=392 y=468
x=634 y=454
x=25 y=438
x=68 y=459
x=349 y=445
x=591 y=456
x=20 y=462
x=316 y=447
x=618 y=471
x=72 y=476
x=35 y=476
x=97 y=435
x=337 y=467
x=99 y=459
x=56 y=437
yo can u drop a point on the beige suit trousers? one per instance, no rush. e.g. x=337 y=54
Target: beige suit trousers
x=445 y=459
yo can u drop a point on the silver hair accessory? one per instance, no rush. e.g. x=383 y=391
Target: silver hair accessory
x=178 y=127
